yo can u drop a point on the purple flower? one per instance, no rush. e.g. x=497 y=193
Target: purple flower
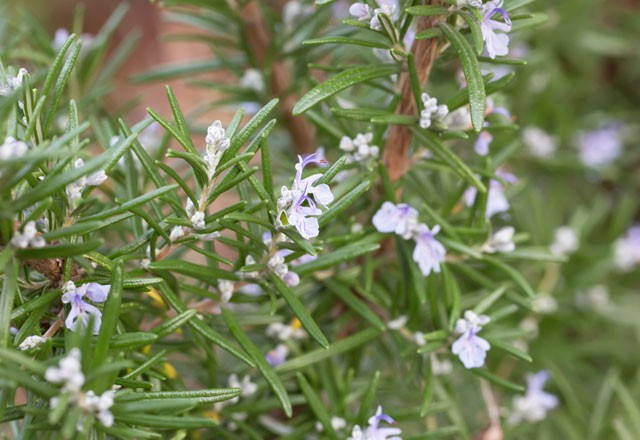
x=374 y=432
x=278 y=355
x=299 y=203
x=81 y=311
x=401 y=219
x=471 y=349
x=481 y=146
x=496 y=44
x=429 y=252
x=600 y=147
x=536 y=402
x=364 y=12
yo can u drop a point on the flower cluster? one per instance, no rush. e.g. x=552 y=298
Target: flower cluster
x=81 y=311
x=29 y=237
x=374 y=431
x=364 y=12
x=297 y=206
x=284 y=333
x=431 y=111
x=359 y=149
x=75 y=189
x=69 y=374
x=471 y=348
x=534 y=405
x=496 y=44
x=402 y=220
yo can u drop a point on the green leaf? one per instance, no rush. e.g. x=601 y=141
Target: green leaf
x=59 y=250
x=51 y=185
x=133 y=203
x=171 y=325
x=206 y=274
x=427 y=10
x=511 y=272
x=336 y=257
x=428 y=33
x=340 y=82
x=472 y=74
x=316 y=406
x=355 y=303
x=9 y=291
x=299 y=310
x=337 y=207
x=366 y=403
x=202 y=328
x=476 y=33
x=431 y=141
x=132 y=341
x=320 y=354
x=110 y=317
x=259 y=358
x=250 y=128
x=303 y=244
x=332 y=171
x=344 y=40
x=497 y=380
x=178 y=116
x=518 y=354
x=167 y=422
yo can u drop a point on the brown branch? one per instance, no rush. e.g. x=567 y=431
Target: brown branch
x=259 y=41
x=425 y=52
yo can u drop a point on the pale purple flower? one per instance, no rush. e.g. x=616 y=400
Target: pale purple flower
x=626 y=250
x=471 y=348
x=481 y=146
x=299 y=203
x=278 y=355
x=401 y=219
x=497 y=44
x=600 y=147
x=374 y=431
x=82 y=311
x=429 y=252
x=361 y=11
x=534 y=405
